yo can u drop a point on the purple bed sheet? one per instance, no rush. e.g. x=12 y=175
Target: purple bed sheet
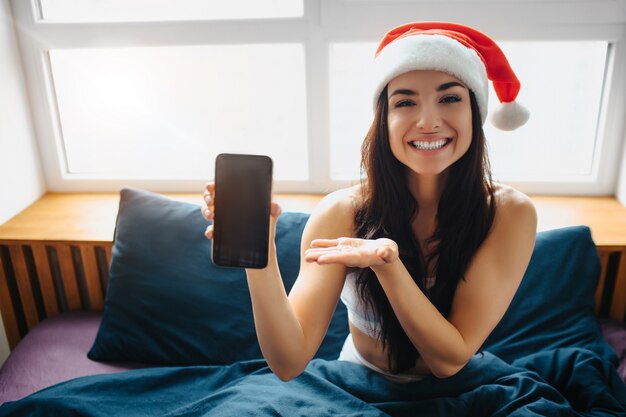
x=56 y=351
x=52 y=352
x=615 y=333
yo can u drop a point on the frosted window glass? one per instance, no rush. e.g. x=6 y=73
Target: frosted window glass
x=158 y=10
x=562 y=88
x=561 y=85
x=166 y=112
x=350 y=106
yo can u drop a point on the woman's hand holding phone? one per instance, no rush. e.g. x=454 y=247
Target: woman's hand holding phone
x=244 y=217
x=207 y=208
x=243 y=236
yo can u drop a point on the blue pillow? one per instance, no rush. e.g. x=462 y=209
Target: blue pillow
x=554 y=305
x=167 y=303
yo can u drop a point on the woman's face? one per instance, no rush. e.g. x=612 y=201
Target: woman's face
x=429 y=120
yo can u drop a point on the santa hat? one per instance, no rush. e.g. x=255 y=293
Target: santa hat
x=461 y=51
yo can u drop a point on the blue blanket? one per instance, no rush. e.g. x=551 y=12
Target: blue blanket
x=559 y=382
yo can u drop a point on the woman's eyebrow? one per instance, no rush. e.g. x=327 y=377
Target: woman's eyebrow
x=403 y=91
x=451 y=84
x=442 y=87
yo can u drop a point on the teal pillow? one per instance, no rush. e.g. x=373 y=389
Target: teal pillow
x=167 y=303
x=554 y=305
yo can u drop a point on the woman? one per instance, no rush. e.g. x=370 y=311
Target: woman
x=427 y=252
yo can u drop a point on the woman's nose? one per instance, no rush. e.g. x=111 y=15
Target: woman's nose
x=428 y=118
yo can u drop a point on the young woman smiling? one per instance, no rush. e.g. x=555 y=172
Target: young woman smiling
x=427 y=252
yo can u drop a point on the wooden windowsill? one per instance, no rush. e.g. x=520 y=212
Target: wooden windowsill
x=91 y=216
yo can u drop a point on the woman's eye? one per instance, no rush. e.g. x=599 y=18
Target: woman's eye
x=451 y=99
x=404 y=103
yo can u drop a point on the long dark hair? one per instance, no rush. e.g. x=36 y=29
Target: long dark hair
x=464 y=217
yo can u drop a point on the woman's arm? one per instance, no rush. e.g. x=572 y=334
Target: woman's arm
x=291 y=329
x=480 y=301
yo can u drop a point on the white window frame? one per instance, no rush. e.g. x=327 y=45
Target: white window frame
x=325 y=22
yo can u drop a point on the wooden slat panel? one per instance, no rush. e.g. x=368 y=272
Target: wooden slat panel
x=92 y=276
x=23 y=285
x=107 y=250
x=618 y=301
x=7 y=308
x=46 y=283
x=68 y=275
x=604 y=262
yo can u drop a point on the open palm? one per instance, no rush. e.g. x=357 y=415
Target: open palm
x=352 y=252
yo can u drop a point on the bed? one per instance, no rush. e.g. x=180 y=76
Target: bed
x=176 y=337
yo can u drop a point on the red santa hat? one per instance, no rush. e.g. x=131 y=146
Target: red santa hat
x=461 y=51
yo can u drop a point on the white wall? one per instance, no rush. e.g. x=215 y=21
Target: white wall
x=620 y=189
x=21 y=178
x=621 y=185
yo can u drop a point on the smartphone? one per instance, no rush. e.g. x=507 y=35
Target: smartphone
x=243 y=189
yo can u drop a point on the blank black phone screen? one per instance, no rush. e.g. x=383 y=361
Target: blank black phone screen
x=243 y=187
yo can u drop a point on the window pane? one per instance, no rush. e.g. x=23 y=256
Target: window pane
x=151 y=10
x=561 y=86
x=166 y=112
x=350 y=106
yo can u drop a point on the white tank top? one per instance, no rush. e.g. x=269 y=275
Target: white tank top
x=359 y=315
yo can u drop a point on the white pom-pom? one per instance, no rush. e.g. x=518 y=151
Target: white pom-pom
x=510 y=116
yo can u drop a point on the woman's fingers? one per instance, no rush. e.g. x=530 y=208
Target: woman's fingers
x=324 y=243
x=316 y=252
x=333 y=259
x=352 y=252
x=208 y=233
x=207 y=213
x=208 y=205
x=334 y=254
x=207 y=208
x=327 y=256
x=275 y=210
x=207 y=195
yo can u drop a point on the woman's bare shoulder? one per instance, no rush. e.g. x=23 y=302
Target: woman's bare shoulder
x=507 y=196
x=344 y=198
x=513 y=205
x=334 y=214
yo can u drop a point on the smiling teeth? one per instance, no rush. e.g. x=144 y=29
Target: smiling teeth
x=429 y=145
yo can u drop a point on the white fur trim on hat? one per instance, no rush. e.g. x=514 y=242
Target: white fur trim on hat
x=432 y=52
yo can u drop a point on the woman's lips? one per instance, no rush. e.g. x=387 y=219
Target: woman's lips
x=430 y=144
